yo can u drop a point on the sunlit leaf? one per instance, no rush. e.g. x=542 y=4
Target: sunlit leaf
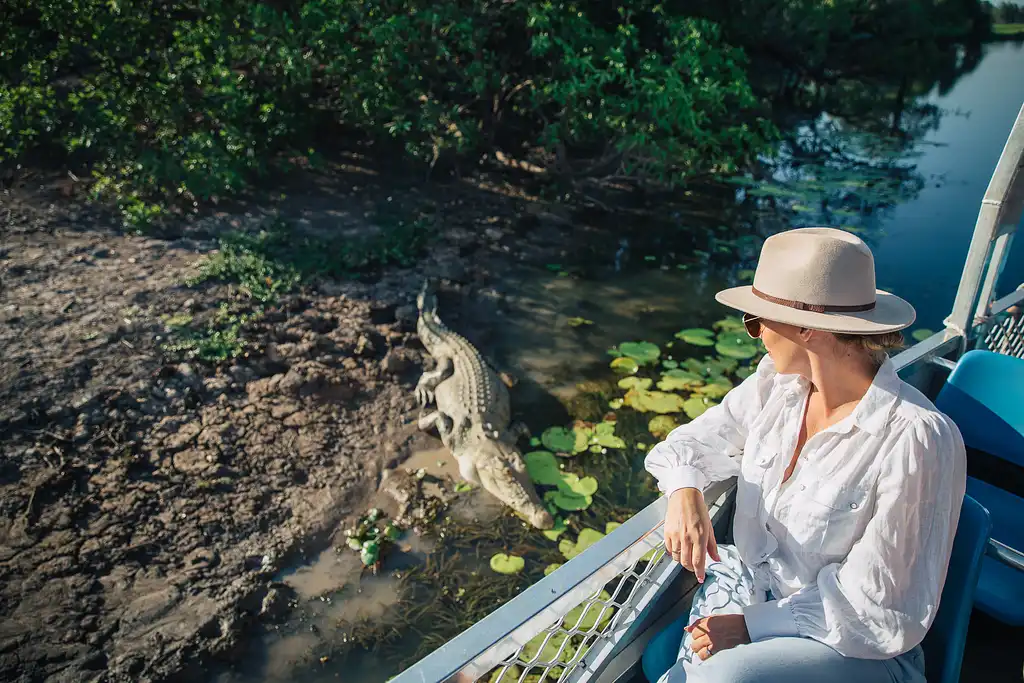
x=661 y=425
x=543 y=468
x=507 y=564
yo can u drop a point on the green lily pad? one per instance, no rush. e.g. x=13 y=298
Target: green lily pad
x=670 y=364
x=587 y=538
x=551 y=567
x=677 y=379
x=719 y=366
x=653 y=401
x=507 y=564
x=559 y=439
x=534 y=441
x=697 y=336
x=661 y=425
x=509 y=675
x=643 y=352
x=615 y=403
x=590 y=615
x=716 y=388
x=745 y=275
x=604 y=435
x=624 y=365
x=550 y=651
x=729 y=323
x=739 y=351
x=611 y=526
x=696 y=405
x=577 y=322
x=745 y=372
x=567 y=500
x=553 y=533
x=921 y=334
x=635 y=383
x=573 y=484
x=543 y=468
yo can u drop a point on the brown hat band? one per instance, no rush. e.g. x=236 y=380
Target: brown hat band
x=814 y=308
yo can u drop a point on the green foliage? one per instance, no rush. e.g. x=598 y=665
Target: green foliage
x=195 y=100
x=219 y=340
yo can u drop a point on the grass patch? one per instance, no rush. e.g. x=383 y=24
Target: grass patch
x=262 y=267
x=219 y=340
x=1008 y=30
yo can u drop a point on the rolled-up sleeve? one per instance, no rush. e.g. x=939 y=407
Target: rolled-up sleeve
x=708 y=448
x=880 y=601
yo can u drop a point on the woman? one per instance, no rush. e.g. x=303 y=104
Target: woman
x=849 y=485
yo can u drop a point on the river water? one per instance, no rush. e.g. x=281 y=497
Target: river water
x=632 y=292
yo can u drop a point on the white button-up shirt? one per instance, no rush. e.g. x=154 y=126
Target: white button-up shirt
x=855 y=545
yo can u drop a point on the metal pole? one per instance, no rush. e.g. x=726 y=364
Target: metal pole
x=986 y=229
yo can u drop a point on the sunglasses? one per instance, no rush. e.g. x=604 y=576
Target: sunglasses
x=752 y=324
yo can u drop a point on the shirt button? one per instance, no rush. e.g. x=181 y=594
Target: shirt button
x=853 y=506
x=803 y=487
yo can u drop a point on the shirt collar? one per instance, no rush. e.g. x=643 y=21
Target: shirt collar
x=874 y=409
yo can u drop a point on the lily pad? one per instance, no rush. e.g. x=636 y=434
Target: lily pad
x=589 y=615
x=611 y=526
x=559 y=439
x=543 y=468
x=729 y=323
x=577 y=322
x=642 y=352
x=551 y=567
x=921 y=334
x=509 y=675
x=661 y=425
x=697 y=336
x=695 y=406
x=653 y=401
x=719 y=366
x=615 y=403
x=553 y=533
x=604 y=435
x=677 y=379
x=717 y=387
x=745 y=372
x=739 y=351
x=587 y=538
x=507 y=564
x=573 y=484
x=670 y=364
x=567 y=500
x=635 y=383
x=624 y=365
x=550 y=651
x=745 y=275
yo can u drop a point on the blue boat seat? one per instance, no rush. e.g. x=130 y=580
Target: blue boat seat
x=984 y=395
x=944 y=643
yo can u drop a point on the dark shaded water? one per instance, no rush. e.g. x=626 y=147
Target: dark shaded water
x=920 y=239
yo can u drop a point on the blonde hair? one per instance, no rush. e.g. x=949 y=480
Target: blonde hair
x=877 y=346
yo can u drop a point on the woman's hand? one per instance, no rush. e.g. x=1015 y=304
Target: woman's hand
x=716 y=633
x=689 y=536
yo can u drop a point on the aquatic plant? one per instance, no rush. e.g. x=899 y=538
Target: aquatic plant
x=507 y=564
x=643 y=352
x=661 y=425
x=371 y=535
x=677 y=379
x=653 y=401
x=543 y=468
x=624 y=365
x=697 y=336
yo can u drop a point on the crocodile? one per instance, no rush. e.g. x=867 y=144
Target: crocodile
x=465 y=400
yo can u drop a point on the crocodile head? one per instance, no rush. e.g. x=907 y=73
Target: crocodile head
x=502 y=473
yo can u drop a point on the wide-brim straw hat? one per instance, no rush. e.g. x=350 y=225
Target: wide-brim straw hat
x=820 y=278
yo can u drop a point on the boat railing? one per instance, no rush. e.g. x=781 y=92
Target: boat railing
x=590 y=619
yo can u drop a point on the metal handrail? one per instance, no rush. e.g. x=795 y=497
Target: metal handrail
x=496 y=637
x=997 y=220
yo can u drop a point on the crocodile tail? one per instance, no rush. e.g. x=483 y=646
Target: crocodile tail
x=426 y=301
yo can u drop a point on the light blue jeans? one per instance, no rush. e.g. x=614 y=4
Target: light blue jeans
x=727 y=588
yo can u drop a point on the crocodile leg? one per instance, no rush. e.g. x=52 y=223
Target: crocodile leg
x=429 y=380
x=518 y=430
x=437 y=420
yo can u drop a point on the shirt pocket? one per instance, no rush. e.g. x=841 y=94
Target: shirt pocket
x=828 y=519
